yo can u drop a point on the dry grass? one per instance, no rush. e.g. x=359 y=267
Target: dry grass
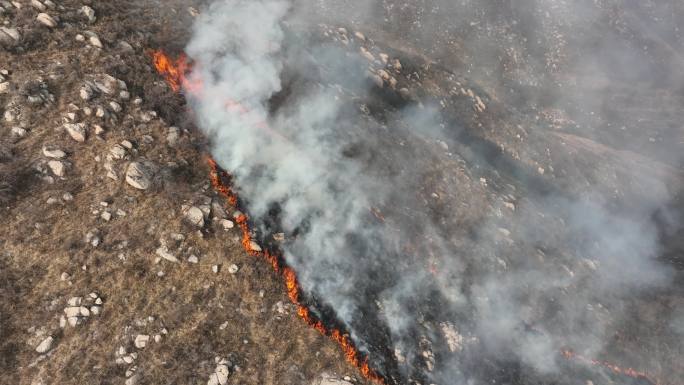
x=39 y=242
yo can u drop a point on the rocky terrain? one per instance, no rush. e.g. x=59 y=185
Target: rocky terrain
x=120 y=264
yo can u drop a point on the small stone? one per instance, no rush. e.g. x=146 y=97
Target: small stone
x=220 y=375
x=53 y=153
x=172 y=136
x=86 y=93
x=72 y=311
x=369 y=56
x=9 y=35
x=232 y=269
x=65 y=276
x=253 y=246
x=100 y=112
x=4 y=87
x=164 y=253
x=124 y=95
x=215 y=268
x=193 y=259
x=85 y=312
x=67 y=197
x=106 y=216
x=114 y=106
x=38 y=5
x=76 y=131
x=57 y=167
x=46 y=20
x=98 y=129
x=45 y=345
x=52 y=201
x=89 y=13
x=73 y=321
x=117 y=151
x=96 y=310
x=9 y=116
x=157 y=338
x=227 y=224
x=127 y=144
x=18 y=132
x=132 y=380
x=141 y=341
x=95 y=42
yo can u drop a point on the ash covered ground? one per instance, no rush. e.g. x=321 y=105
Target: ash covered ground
x=476 y=192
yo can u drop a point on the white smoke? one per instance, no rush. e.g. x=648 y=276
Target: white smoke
x=491 y=283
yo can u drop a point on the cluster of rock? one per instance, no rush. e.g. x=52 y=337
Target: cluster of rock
x=382 y=70
x=128 y=357
x=79 y=309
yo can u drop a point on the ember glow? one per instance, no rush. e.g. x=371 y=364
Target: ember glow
x=174 y=72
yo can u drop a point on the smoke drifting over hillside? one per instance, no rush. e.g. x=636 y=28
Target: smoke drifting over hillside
x=386 y=229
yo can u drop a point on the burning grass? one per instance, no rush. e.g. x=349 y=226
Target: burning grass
x=294 y=290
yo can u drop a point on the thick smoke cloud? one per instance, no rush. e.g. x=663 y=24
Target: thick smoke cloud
x=430 y=300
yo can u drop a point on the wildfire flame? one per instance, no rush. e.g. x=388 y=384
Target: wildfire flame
x=174 y=73
x=629 y=372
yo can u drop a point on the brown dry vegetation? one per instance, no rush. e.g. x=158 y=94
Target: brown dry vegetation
x=40 y=241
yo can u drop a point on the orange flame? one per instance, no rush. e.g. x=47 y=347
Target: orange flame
x=629 y=372
x=175 y=74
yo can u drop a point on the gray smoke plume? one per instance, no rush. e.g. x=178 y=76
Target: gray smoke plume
x=446 y=264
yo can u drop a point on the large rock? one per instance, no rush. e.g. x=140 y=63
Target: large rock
x=195 y=216
x=139 y=175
